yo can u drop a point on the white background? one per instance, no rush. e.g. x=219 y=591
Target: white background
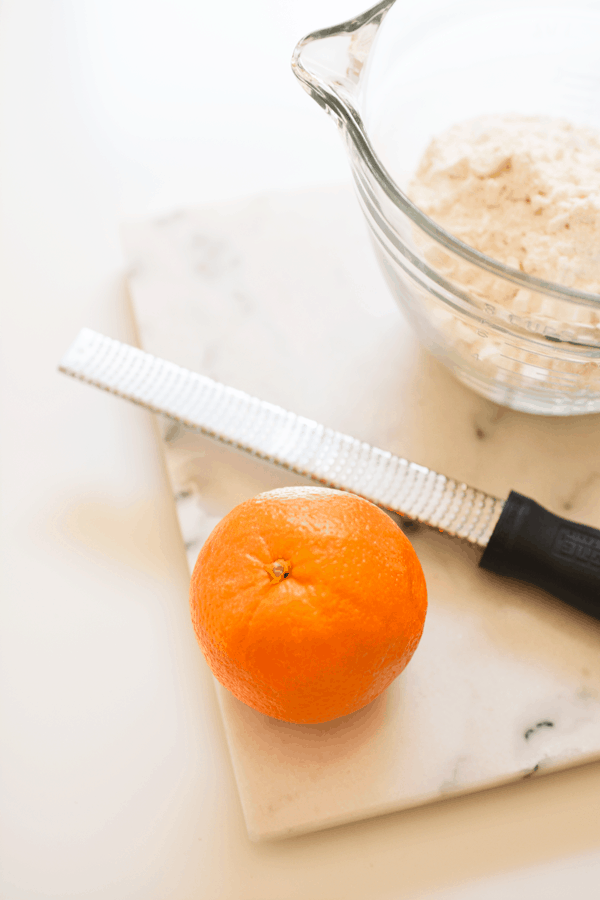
x=116 y=781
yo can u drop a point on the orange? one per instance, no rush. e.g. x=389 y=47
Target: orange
x=307 y=602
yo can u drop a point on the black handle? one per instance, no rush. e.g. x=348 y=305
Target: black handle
x=534 y=545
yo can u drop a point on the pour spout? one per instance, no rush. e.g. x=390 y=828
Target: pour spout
x=330 y=63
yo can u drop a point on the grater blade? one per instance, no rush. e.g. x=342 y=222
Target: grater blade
x=274 y=434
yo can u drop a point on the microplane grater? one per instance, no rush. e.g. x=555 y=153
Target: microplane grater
x=520 y=538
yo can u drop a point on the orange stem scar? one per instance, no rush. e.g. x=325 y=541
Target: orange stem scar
x=279 y=570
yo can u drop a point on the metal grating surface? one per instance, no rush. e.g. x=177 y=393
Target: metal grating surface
x=299 y=444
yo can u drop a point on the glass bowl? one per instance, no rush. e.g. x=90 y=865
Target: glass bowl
x=403 y=72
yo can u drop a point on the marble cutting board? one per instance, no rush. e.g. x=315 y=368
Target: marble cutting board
x=279 y=295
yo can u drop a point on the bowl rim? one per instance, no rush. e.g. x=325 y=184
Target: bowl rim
x=340 y=103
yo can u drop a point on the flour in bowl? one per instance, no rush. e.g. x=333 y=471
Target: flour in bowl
x=524 y=191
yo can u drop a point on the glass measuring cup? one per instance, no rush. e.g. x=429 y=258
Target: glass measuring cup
x=401 y=73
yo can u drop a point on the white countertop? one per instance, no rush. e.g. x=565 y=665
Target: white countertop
x=116 y=781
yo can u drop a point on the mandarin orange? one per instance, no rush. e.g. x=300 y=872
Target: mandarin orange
x=307 y=602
